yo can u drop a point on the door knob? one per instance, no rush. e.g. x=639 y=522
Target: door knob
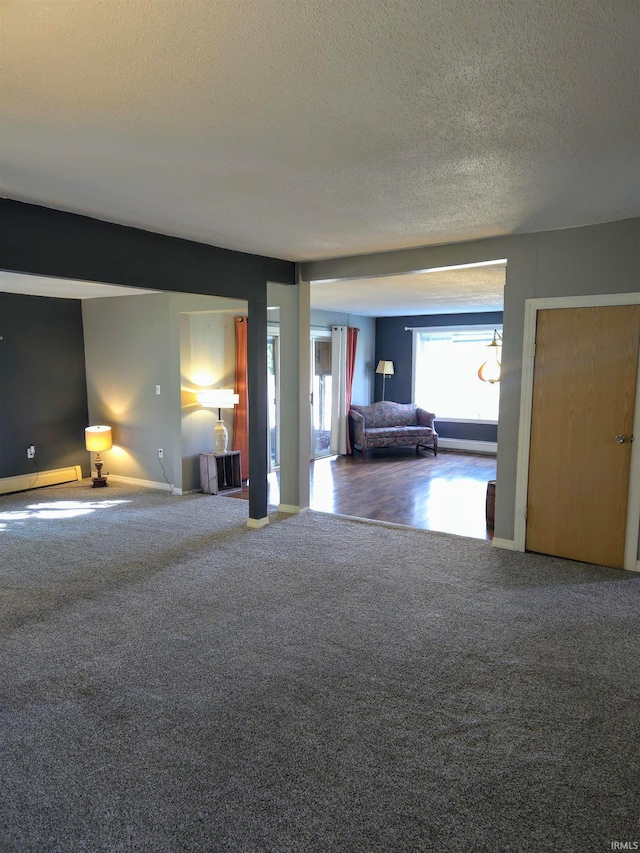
x=620 y=439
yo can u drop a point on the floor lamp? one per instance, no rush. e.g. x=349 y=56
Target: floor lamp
x=386 y=369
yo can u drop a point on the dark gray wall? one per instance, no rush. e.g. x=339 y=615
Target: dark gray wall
x=41 y=241
x=394 y=344
x=43 y=392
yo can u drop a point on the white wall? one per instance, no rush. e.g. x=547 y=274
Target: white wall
x=132 y=344
x=207 y=360
x=292 y=316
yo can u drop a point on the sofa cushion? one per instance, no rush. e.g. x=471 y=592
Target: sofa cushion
x=395 y=432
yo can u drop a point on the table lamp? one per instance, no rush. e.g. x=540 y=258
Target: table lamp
x=219 y=398
x=98 y=438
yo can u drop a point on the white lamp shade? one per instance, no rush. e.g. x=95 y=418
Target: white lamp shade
x=98 y=438
x=218 y=398
x=385 y=367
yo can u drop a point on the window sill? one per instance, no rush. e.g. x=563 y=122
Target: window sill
x=464 y=421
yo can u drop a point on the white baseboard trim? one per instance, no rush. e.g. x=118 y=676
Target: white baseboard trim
x=467 y=444
x=291 y=509
x=146 y=484
x=258 y=522
x=510 y=545
x=54 y=477
x=507 y=544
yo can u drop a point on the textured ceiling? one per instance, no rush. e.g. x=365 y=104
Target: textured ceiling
x=453 y=291
x=437 y=292
x=62 y=288
x=312 y=128
x=315 y=128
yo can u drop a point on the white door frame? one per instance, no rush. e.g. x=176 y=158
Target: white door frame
x=532 y=306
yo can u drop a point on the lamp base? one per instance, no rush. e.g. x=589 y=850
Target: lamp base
x=99 y=480
x=220 y=437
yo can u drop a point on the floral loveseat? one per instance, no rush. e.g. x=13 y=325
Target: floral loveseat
x=387 y=424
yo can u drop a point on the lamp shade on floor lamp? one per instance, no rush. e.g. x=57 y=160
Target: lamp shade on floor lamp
x=386 y=369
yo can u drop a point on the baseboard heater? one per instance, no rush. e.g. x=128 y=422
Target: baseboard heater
x=23 y=482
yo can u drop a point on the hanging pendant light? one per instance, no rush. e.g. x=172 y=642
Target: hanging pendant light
x=491 y=369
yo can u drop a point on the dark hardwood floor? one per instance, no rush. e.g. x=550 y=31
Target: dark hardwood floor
x=445 y=493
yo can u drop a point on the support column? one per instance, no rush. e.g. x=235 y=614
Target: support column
x=295 y=410
x=257 y=365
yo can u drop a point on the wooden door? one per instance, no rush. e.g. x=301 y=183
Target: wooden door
x=584 y=388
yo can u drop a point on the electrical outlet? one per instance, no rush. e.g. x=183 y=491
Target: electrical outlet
x=31 y=452
x=160 y=453
x=158 y=390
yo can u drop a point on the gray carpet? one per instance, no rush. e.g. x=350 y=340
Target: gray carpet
x=173 y=681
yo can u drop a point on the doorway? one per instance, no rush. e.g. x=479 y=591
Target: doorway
x=320 y=395
x=273 y=398
x=321 y=391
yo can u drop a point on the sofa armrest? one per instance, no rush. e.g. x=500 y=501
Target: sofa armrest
x=357 y=427
x=425 y=418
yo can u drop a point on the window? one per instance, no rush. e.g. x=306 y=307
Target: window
x=321 y=384
x=273 y=396
x=445 y=376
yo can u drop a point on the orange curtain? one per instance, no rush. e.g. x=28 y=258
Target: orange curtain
x=352 y=342
x=241 y=419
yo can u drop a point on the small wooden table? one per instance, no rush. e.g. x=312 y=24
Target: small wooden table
x=220 y=471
